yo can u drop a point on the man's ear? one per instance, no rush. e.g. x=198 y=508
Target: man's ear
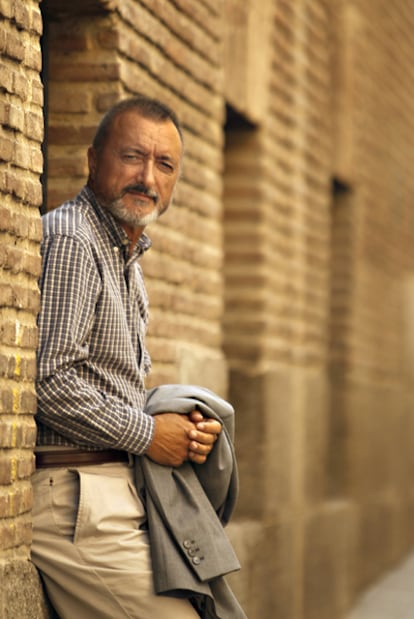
x=91 y=161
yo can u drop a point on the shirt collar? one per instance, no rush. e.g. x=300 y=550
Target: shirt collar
x=118 y=235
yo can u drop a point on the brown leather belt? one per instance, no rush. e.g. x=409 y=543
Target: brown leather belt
x=78 y=457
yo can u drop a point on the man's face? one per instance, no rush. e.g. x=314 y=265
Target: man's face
x=135 y=172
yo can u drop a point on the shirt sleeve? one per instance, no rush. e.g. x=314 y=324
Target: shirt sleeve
x=68 y=403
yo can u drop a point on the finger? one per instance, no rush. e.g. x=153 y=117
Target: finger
x=196 y=416
x=202 y=437
x=196 y=458
x=200 y=448
x=210 y=425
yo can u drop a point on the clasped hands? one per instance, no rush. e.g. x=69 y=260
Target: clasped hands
x=179 y=437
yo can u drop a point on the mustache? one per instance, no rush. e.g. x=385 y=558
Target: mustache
x=141 y=188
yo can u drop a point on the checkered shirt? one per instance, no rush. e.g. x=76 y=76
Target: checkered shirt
x=92 y=359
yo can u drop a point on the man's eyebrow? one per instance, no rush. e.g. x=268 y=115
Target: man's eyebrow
x=143 y=151
x=166 y=157
x=133 y=149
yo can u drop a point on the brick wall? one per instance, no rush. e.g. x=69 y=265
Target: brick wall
x=21 y=134
x=318 y=294
x=372 y=397
x=277 y=203
x=282 y=277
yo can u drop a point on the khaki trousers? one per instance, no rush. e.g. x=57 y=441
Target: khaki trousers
x=87 y=544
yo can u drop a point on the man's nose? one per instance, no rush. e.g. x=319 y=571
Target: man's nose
x=146 y=173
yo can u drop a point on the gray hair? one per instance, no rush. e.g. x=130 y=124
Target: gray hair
x=147 y=107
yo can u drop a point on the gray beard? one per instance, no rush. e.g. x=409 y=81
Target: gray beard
x=124 y=216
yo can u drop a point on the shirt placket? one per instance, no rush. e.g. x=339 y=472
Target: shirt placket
x=135 y=310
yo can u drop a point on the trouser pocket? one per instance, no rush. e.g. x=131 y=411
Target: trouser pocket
x=107 y=506
x=55 y=501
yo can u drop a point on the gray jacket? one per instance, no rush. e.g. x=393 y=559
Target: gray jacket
x=188 y=506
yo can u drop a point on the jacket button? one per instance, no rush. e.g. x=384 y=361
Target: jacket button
x=196 y=560
x=187 y=543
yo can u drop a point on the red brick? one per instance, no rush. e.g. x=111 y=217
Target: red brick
x=25 y=465
x=33 y=192
x=69 y=100
x=37 y=91
x=33 y=58
x=16 y=117
x=16 y=502
x=6 y=366
x=107 y=100
x=8 y=469
x=34 y=228
x=6 y=8
x=13 y=184
x=69 y=40
x=36 y=20
x=84 y=72
x=21 y=86
x=71 y=134
x=22 y=16
x=34 y=126
x=15 y=532
x=75 y=166
x=108 y=38
x=6 y=77
x=3 y=40
x=7 y=148
x=28 y=401
x=22 y=155
x=36 y=160
x=15 y=46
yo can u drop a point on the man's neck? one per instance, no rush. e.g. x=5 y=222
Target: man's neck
x=134 y=234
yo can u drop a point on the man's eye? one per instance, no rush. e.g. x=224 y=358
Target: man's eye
x=165 y=166
x=132 y=157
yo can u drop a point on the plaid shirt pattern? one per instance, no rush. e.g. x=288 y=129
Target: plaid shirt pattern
x=92 y=359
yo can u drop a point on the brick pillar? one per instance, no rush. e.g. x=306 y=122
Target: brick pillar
x=21 y=164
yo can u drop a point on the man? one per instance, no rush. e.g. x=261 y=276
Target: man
x=90 y=541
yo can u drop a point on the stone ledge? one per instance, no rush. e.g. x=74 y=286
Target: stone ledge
x=21 y=592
